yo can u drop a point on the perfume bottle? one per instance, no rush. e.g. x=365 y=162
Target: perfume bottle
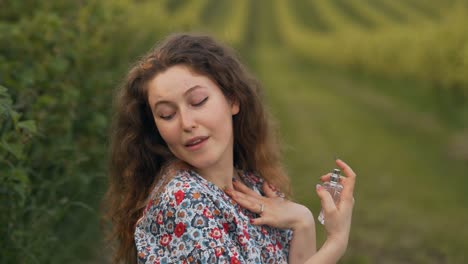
x=334 y=188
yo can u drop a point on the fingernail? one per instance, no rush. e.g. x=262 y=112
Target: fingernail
x=251 y=220
x=318 y=186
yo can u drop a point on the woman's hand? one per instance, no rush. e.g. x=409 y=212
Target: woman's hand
x=274 y=211
x=338 y=217
x=278 y=212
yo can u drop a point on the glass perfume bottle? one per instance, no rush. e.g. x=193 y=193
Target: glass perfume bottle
x=334 y=188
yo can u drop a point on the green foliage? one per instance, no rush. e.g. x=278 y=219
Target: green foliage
x=16 y=135
x=59 y=64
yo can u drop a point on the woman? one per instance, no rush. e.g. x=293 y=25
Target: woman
x=194 y=166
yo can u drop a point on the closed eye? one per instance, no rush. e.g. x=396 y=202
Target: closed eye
x=201 y=102
x=167 y=117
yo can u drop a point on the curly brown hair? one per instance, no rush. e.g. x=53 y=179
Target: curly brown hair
x=138 y=154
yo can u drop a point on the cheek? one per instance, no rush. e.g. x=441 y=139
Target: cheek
x=167 y=133
x=223 y=124
x=220 y=111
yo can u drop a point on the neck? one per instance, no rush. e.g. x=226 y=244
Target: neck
x=220 y=176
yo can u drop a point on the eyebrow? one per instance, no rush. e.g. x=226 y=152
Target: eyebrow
x=184 y=94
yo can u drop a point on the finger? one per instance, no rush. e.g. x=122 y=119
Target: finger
x=253 y=200
x=258 y=221
x=326 y=200
x=345 y=168
x=239 y=186
x=245 y=201
x=348 y=182
x=326 y=177
x=268 y=190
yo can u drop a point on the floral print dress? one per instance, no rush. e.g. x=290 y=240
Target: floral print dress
x=193 y=221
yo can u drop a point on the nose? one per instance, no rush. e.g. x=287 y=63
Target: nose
x=187 y=121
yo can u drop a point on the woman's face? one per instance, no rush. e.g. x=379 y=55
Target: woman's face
x=193 y=117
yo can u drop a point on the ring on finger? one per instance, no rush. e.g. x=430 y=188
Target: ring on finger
x=262 y=207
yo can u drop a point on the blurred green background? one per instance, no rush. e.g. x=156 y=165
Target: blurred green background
x=381 y=84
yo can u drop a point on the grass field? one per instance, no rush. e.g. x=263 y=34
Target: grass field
x=411 y=206
x=410 y=194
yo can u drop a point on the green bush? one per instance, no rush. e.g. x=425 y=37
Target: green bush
x=59 y=64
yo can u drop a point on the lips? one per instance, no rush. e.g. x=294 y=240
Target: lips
x=195 y=141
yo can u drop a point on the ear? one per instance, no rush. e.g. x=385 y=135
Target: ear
x=234 y=107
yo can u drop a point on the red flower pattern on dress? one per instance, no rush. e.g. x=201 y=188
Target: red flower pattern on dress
x=222 y=234
x=215 y=233
x=150 y=203
x=235 y=260
x=255 y=179
x=207 y=213
x=278 y=244
x=242 y=240
x=270 y=248
x=219 y=251
x=165 y=240
x=246 y=234
x=226 y=227
x=179 y=196
x=179 y=229
x=160 y=218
